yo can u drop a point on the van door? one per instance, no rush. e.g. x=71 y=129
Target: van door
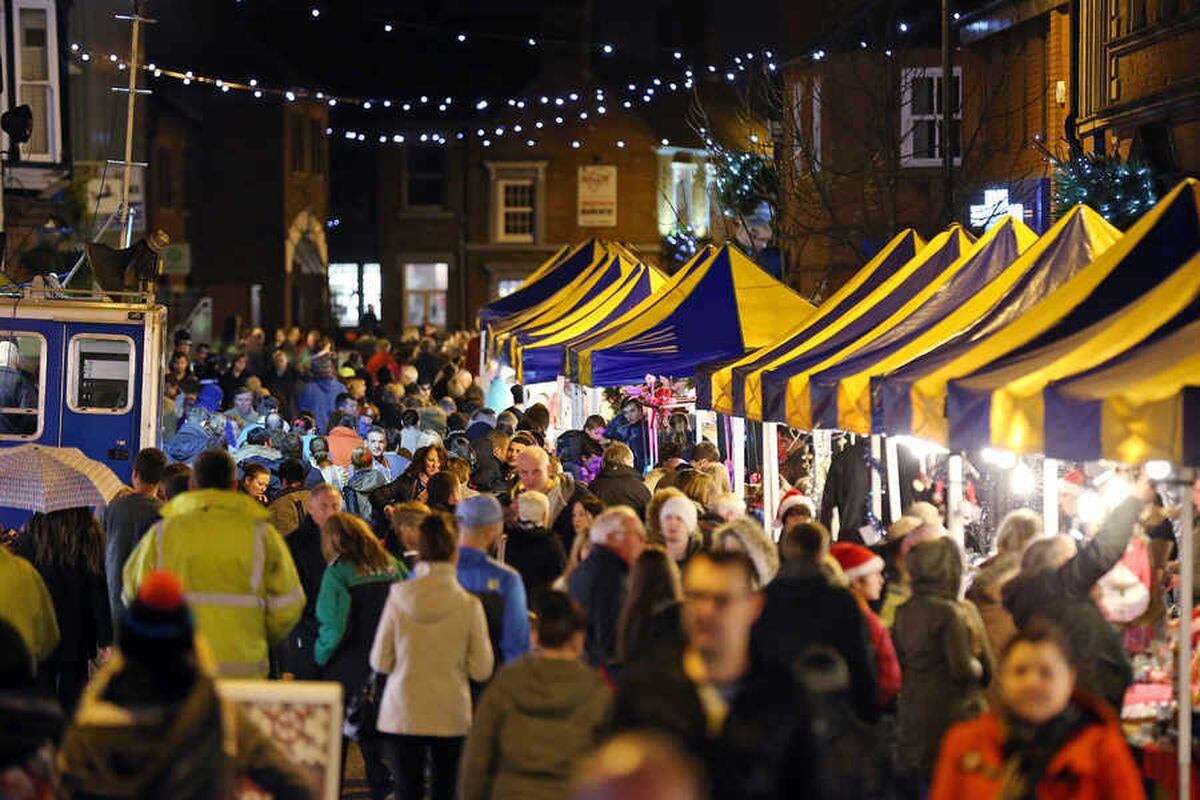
x=103 y=392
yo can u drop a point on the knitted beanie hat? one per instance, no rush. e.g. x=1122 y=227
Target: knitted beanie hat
x=158 y=625
x=681 y=507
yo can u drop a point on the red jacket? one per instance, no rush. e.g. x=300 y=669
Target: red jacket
x=1094 y=765
x=887 y=665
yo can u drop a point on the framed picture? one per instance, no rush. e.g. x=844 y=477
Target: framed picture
x=304 y=718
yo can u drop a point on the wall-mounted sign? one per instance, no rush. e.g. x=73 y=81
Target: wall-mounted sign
x=597 y=196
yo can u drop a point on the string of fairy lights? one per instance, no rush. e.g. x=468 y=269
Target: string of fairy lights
x=539 y=113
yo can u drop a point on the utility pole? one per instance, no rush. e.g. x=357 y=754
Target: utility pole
x=128 y=164
x=947 y=131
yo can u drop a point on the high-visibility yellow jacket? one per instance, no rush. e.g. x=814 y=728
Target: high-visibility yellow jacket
x=237 y=573
x=25 y=604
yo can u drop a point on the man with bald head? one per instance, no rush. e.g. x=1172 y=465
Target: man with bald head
x=15 y=391
x=598 y=584
x=534 y=474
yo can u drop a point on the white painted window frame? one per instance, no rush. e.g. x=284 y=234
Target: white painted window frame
x=53 y=80
x=907 y=118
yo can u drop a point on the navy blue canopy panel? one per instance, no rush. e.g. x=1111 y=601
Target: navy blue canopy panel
x=936 y=258
x=569 y=267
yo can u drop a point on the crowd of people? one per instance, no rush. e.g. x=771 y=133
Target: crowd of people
x=515 y=617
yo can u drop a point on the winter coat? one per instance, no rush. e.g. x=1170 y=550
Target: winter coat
x=563 y=494
x=632 y=434
x=126 y=520
x=764 y=748
x=190 y=441
x=804 y=609
x=431 y=640
x=319 y=396
x=1063 y=596
x=241 y=581
x=506 y=607
x=287 y=510
x=598 y=584
x=1093 y=764
x=283 y=388
x=356 y=494
x=26 y=605
x=349 y=606
x=846 y=488
x=489 y=472
x=534 y=722
x=985 y=594
x=619 y=485
x=944 y=657
x=125 y=743
x=536 y=554
x=80 y=599
x=574 y=450
x=887 y=665
x=304 y=545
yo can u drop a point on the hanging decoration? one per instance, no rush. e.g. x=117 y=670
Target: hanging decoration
x=680 y=244
x=1121 y=190
x=744 y=181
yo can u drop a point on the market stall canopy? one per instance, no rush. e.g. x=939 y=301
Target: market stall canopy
x=1141 y=405
x=719 y=384
x=1003 y=404
x=929 y=262
x=556 y=272
x=841 y=394
x=949 y=288
x=610 y=267
x=538 y=355
x=914 y=398
x=717 y=306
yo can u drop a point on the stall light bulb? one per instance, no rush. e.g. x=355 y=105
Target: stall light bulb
x=1158 y=470
x=1023 y=480
x=1091 y=507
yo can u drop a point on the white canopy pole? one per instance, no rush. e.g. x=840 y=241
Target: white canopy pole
x=1184 y=690
x=954 y=497
x=893 y=477
x=1050 y=496
x=876 y=482
x=770 y=473
x=737 y=449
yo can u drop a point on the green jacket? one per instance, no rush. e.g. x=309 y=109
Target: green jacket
x=237 y=573
x=25 y=604
x=333 y=602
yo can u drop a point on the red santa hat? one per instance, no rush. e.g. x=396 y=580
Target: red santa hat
x=1072 y=483
x=856 y=561
x=792 y=498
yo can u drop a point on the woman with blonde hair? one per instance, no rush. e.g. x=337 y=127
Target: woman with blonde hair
x=353 y=593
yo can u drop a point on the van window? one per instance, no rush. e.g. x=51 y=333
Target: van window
x=22 y=374
x=100 y=377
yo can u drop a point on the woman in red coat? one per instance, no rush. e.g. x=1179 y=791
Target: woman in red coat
x=1045 y=742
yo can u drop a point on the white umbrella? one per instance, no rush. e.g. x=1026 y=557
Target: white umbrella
x=39 y=478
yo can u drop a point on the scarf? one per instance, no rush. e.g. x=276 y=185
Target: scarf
x=1028 y=749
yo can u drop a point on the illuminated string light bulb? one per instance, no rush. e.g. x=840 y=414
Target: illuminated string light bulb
x=532 y=42
x=607 y=49
x=530 y=142
x=677 y=55
x=387 y=28
x=462 y=37
x=539 y=124
x=367 y=105
x=258 y=93
x=315 y=12
x=516 y=128
x=730 y=76
x=621 y=143
x=627 y=104
x=665 y=142
x=487 y=142
x=601 y=110
x=332 y=102
x=558 y=120
x=902 y=27
x=85 y=57
x=289 y=95
x=575 y=144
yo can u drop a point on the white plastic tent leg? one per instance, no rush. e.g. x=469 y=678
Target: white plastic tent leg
x=1184 y=672
x=737 y=448
x=1050 y=496
x=876 y=482
x=893 y=477
x=483 y=354
x=770 y=473
x=954 y=498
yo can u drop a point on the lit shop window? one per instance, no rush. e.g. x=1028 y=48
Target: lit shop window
x=425 y=286
x=353 y=287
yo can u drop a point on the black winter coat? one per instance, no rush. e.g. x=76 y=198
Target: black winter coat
x=804 y=610
x=1063 y=597
x=764 y=750
x=618 y=485
x=80 y=601
x=536 y=553
x=598 y=584
x=846 y=489
x=304 y=544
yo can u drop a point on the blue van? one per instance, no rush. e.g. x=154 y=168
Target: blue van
x=81 y=371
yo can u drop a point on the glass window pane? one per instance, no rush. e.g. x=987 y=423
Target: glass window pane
x=924 y=139
x=34 y=55
x=922 y=96
x=37 y=97
x=102 y=373
x=414 y=308
x=422 y=277
x=372 y=288
x=437 y=308
x=20 y=372
x=506 y=286
x=343 y=293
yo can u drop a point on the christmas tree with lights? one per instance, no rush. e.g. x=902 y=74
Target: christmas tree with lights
x=1120 y=190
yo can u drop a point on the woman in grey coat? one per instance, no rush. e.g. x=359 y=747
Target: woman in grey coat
x=944 y=656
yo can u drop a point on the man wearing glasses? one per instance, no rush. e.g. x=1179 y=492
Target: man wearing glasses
x=743 y=719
